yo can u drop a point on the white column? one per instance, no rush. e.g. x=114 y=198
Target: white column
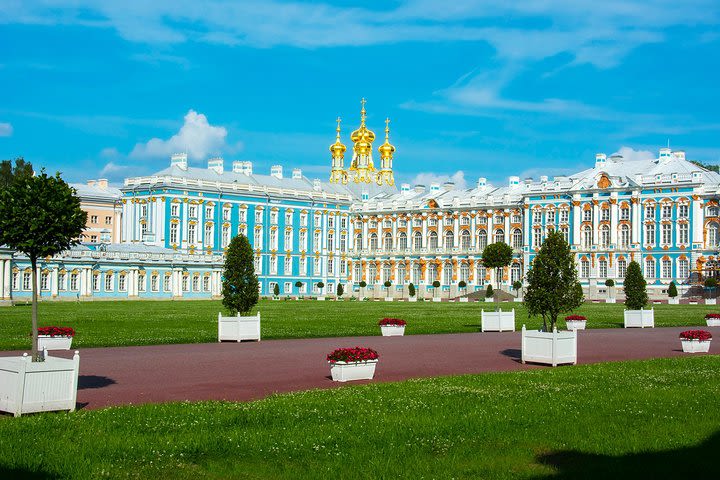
x=596 y=223
x=54 y=282
x=697 y=221
x=506 y=213
x=635 y=221
x=3 y=280
x=576 y=223
x=365 y=239
x=473 y=229
x=527 y=224
x=117 y=225
x=613 y=222
x=456 y=231
x=395 y=234
x=424 y=232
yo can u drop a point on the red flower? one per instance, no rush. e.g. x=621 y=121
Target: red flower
x=712 y=315
x=56 y=331
x=357 y=354
x=700 y=335
x=398 y=322
x=575 y=317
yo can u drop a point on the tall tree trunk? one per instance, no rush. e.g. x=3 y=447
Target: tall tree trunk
x=33 y=264
x=498 y=279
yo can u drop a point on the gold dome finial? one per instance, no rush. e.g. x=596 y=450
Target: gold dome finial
x=363 y=137
x=386 y=150
x=337 y=148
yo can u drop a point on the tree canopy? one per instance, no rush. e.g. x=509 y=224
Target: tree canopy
x=635 y=287
x=8 y=172
x=552 y=281
x=240 y=284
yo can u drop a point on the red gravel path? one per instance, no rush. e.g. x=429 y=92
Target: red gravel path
x=248 y=371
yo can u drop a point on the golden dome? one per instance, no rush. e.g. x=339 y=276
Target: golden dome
x=362 y=137
x=338 y=149
x=386 y=150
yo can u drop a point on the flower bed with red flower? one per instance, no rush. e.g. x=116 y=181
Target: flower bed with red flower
x=392 y=322
x=699 y=335
x=712 y=315
x=56 y=331
x=349 y=355
x=575 y=317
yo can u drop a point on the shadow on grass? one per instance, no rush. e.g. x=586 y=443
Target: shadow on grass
x=94 y=381
x=8 y=472
x=698 y=462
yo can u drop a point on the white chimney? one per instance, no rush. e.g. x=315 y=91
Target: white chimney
x=102 y=183
x=447 y=186
x=600 y=160
x=91 y=183
x=434 y=187
x=513 y=181
x=543 y=178
x=297 y=173
x=317 y=186
x=247 y=168
x=405 y=187
x=276 y=171
x=679 y=154
x=419 y=188
x=179 y=160
x=237 y=166
x=482 y=183
x=665 y=153
x=216 y=164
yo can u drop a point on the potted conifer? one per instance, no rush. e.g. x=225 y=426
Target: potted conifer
x=339 y=291
x=362 y=284
x=517 y=286
x=299 y=285
x=240 y=293
x=489 y=293
x=411 y=293
x=276 y=292
x=552 y=288
x=636 y=298
x=673 y=294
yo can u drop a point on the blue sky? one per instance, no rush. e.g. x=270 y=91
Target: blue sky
x=473 y=88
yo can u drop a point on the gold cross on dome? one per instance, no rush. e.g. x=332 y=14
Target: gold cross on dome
x=362 y=102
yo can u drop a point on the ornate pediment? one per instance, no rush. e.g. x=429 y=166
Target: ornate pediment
x=604 y=181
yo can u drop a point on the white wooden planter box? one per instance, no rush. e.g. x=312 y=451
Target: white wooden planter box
x=412 y=299
x=437 y=299
x=695 y=346
x=640 y=318
x=673 y=301
x=321 y=299
x=28 y=387
x=497 y=321
x=344 y=372
x=392 y=330
x=551 y=348
x=58 y=342
x=576 y=324
x=710 y=301
x=489 y=299
x=389 y=299
x=609 y=300
x=517 y=299
x=713 y=322
x=692 y=302
x=238 y=328
x=463 y=299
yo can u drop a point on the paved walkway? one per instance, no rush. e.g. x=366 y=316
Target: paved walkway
x=248 y=371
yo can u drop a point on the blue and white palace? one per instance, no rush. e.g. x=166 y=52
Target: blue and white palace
x=358 y=226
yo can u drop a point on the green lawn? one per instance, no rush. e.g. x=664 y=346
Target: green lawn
x=158 y=322
x=649 y=419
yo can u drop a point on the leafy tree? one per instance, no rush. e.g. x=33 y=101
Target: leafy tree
x=436 y=285
x=552 y=281
x=387 y=287
x=8 y=173
x=497 y=256
x=340 y=290
x=609 y=282
x=363 y=284
x=462 y=284
x=411 y=290
x=707 y=166
x=240 y=284
x=276 y=290
x=634 y=286
x=517 y=285
x=40 y=216
x=320 y=286
x=711 y=284
x=298 y=284
x=672 y=290
x=489 y=291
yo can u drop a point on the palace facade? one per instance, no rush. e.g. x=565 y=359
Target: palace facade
x=170 y=229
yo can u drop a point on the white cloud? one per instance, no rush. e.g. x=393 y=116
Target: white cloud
x=6 y=130
x=631 y=155
x=426 y=178
x=196 y=137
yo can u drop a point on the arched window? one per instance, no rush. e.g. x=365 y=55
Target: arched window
x=387 y=241
x=712 y=235
x=417 y=241
x=401 y=274
x=432 y=273
x=373 y=242
x=587 y=237
x=624 y=236
x=683 y=269
x=432 y=240
x=402 y=241
x=386 y=273
x=464 y=271
x=605 y=236
x=666 y=269
x=358 y=241
x=480 y=274
x=517 y=238
x=416 y=274
x=481 y=239
x=372 y=273
x=603 y=269
x=449 y=239
x=465 y=239
x=499 y=235
x=649 y=268
x=515 y=272
x=584 y=269
x=650 y=234
x=447 y=273
x=712 y=211
x=621 y=268
x=330 y=242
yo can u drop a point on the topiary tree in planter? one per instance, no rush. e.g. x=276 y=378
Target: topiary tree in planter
x=362 y=284
x=635 y=287
x=711 y=284
x=240 y=284
x=40 y=216
x=517 y=285
x=552 y=282
x=462 y=285
x=610 y=283
x=299 y=285
x=489 y=291
x=411 y=289
x=387 y=285
x=497 y=256
x=320 y=286
x=436 y=285
x=672 y=290
x=340 y=290
x=276 y=290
